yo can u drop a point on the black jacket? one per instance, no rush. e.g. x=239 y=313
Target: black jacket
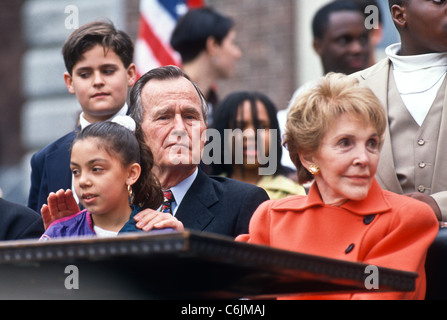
x=219 y=205
x=19 y=222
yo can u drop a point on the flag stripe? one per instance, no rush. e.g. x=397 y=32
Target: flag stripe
x=160 y=51
x=194 y=4
x=157 y=21
x=144 y=58
x=161 y=21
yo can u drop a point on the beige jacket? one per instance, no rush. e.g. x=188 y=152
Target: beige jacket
x=377 y=78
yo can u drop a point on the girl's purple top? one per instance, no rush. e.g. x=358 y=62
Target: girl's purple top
x=78 y=224
x=81 y=224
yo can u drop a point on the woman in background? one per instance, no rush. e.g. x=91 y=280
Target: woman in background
x=251 y=117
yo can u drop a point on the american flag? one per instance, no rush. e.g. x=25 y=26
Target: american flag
x=158 y=19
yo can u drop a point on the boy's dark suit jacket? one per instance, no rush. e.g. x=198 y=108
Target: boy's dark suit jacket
x=19 y=222
x=219 y=205
x=50 y=171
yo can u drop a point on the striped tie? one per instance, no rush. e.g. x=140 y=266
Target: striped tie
x=168 y=198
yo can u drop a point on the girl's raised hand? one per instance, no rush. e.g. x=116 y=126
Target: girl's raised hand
x=60 y=204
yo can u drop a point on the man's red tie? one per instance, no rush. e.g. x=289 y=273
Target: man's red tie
x=168 y=198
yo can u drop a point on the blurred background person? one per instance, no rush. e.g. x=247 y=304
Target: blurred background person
x=206 y=41
x=340 y=37
x=255 y=115
x=342 y=42
x=371 y=9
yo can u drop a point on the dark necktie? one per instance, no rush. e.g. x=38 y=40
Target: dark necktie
x=167 y=201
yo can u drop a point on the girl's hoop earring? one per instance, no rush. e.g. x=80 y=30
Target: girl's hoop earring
x=130 y=192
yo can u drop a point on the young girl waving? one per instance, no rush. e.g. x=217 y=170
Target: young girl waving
x=112 y=178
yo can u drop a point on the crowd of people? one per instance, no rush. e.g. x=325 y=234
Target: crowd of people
x=343 y=185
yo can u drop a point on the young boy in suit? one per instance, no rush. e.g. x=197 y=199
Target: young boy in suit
x=100 y=70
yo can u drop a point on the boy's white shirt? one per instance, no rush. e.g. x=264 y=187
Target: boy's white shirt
x=84 y=123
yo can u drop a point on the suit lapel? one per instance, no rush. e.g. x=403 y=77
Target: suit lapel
x=194 y=211
x=377 y=78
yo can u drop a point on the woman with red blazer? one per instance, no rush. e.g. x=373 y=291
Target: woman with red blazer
x=334 y=133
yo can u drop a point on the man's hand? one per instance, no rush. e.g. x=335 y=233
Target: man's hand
x=428 y=200
x=149 y=219
x=60 y=204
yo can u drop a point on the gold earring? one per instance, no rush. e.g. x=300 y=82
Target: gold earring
x=314 y=169
x=130 y=192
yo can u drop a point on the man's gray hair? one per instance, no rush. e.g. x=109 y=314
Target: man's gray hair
x=162 y=73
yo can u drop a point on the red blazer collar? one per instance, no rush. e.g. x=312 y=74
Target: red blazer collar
x=374 y=203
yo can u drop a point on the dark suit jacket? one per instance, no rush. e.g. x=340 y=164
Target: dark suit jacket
x=50 y=171
x=19 y=222
x=219 y=205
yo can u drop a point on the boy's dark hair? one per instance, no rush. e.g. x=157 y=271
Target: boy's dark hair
x=119 y=141
x=195 y=27
x=91 y=34
x=320 y=21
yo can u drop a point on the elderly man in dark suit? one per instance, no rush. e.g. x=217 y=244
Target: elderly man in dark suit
x=171 y=116
x=18 y=222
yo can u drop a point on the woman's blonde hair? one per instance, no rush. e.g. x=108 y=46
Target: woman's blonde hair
x=318 y=106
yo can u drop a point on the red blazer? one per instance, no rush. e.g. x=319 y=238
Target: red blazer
x=385 y=229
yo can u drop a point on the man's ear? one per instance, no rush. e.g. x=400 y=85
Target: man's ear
x=69 y=83
x=399 y=15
